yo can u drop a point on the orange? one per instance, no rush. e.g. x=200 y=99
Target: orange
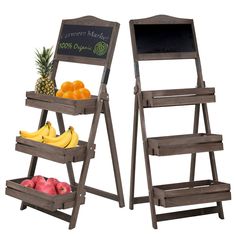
x=67 y=86
x=68 y=94
x=85 y=93
x=59 y=93
x=77 y=94
x=77 y=84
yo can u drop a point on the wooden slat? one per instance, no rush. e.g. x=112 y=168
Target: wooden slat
x=181 y=101
x=184 y=139
x=57 y=214
x=57 y=154
x=40 y=153
x=49 y=205
x=50 y=106
x=166 y=56
x=183 y=144
x=138 y=200
x=48 y=98
x=194 y=148
x=195 y=199
x=187 y=213
x=178 y=97
x=101 y=193
x=190 y=188
x=67 y=106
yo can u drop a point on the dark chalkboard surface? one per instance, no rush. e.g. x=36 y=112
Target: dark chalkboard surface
x=84 y=41
x=164 y=38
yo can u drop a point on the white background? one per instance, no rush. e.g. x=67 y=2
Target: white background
x=26 y=25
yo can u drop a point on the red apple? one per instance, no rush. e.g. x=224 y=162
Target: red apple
x=27 y=183
x=53 y=181
x=45 y=187
x=63 y=188
x=38 y=178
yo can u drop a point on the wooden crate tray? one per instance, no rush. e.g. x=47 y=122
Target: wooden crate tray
x=39 y=199
x=61 y=105
x=52 y=153
x=189 y=193
x=178 y=97
x=183 y=144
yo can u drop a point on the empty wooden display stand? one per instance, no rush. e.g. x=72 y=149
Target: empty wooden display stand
x=86 y=40
x=162 y=38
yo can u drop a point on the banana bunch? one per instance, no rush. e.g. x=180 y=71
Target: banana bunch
x=68 y=139
x=46 y=130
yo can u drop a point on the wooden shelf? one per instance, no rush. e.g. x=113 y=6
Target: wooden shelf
x=183 y=144
x=178 y=97
x=189 y=193
x=39 y=199
x=57 y=154
x=61 y=105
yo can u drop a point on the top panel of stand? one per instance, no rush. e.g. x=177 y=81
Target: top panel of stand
x=88 y=40
x=163 y=37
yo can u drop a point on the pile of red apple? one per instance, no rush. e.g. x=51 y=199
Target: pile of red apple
x=51 y=186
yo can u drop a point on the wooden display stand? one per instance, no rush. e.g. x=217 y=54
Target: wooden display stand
x=86 y=40
x=162 y=38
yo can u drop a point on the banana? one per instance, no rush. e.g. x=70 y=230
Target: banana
x=48 y=139
x=52 y=132
x=60 y=141
x=38 y=138
x=40 y=132
x=74 y=140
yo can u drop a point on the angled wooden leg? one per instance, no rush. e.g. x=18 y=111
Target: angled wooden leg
x=34 y=159
x=113 y=150
x=195 y=131
x=84 y=171
x=147 y=162
x=69 y=166
x=133 y=155
x=212 y=158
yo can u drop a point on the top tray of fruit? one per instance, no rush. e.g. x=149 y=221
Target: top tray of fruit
x=72 y=97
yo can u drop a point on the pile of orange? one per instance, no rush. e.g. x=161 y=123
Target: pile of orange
x=73 y=90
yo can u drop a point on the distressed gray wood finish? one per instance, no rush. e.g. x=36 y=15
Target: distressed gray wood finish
x=189 y=193
x=85 y=151
x=194 y=192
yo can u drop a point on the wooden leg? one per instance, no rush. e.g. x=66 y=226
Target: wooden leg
x=113 y=150
x=34 y=159
x=133 y=155
x=195 y=131
x=147 y=163
x=212 y=158
x=69 y=166
x=215 y=177
x=84 y=171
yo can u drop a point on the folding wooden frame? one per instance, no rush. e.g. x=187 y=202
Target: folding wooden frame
x=86 y=150
x=163 y=38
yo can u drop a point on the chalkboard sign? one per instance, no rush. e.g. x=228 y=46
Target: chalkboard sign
x=164 y=38
x=84 y=41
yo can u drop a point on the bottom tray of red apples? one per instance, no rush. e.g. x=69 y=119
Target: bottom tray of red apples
x=51 y=186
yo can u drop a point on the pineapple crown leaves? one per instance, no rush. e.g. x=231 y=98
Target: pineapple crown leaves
x=43 y=61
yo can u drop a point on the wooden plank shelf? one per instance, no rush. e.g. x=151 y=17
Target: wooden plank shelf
x=183 y=144
x=61 y=105
x=188 y=193
x=178 y=97
x=49 y=152
x=39 y=199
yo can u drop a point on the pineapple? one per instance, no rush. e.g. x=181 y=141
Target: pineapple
x=44 y=84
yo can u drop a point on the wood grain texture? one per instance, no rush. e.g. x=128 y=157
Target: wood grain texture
x=49 y=152
x=189 y=193
x=39 y=199
x=178 y=97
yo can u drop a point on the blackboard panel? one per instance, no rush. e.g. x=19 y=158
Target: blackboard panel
x=164 y=38
x=84 y=41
